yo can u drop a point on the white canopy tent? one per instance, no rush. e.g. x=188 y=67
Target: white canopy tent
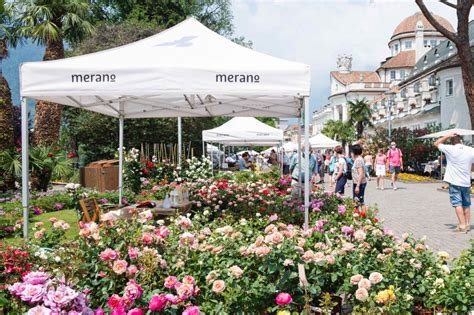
x=290 y=147
x=185 y=71
x=321 y=141
x=439 y=134
x=243 y=131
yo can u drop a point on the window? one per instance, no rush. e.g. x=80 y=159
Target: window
x=433 y=42
x=403 y=93
x=416 y=87
x=432 y=80
x=395 y=48
x=449 y=87
x=425 y=43
x=402 y=74
x=393 y=75
x=415 y=127
x=408 y=44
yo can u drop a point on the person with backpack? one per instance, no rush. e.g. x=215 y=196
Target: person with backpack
x=331 y=167
x=297 y=176
x=359 y=175
x=394 y=163
x=341 y=170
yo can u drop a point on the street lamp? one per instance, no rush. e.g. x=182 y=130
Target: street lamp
x=390 y=102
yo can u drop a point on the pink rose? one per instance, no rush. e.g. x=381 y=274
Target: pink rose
x=132 y=291
x=273 y=217
x=288 y=262
x=283 y=299
x=108 y=254
x=341 y=209
x=162 y=232
x=262 y=251
x=361 y=294
x=120 y=266
x=375 y=277
x=115 y=301
x=99 y=311
x=188 y=280
x=33 y=293
x=133 y=252
x=132 y=269
x=218 y=286
x=184 y=290
x=359 y=235
x=364 y=283
x=170 y=282
x=331 y=260
x=135 y=311
x=157 y=303
x=173 y=299
x=147 y=238
x=236 y=271
x=274 y=238
x=118 y=311
x=39 y=310
x=308 y=256
x=356 y=279
x=191 y=310
x=36 y=277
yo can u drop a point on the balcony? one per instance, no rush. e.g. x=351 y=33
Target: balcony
x=400 y=105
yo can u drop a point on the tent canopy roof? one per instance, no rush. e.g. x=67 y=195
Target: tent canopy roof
x=243 y=131
x=322 y=142
x=185 y=71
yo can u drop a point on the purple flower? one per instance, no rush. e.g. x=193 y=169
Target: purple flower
x=103 y=200
x=37 y=210
x=36 y=277
x=388 y=232
x=58 y=206
x=99 y=311
x=191 y=310
x=124 y=201
x=60 y=298
x=16 y=288
x=341 y=209
x=2 y=212
x=39 y=310
x=319 y=225
x=347 y=230
x=33 y=293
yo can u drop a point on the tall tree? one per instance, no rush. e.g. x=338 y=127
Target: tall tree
x=7 y=37
x=461 y=40
x=360 y=115
x=339 y=130
x=50 y=23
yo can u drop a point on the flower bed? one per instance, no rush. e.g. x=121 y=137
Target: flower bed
x=413 y=178
x=220 y=262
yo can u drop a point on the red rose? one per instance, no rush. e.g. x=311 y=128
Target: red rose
x=145 y=172
x=376 y=220
x=50 y=155
x=72 y=155
x=362 y=214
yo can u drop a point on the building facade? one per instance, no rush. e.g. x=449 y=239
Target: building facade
x=401 y=83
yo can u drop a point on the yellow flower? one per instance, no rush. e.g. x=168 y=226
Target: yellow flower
x=386 y=296
x=443 y=255
x=283 y=312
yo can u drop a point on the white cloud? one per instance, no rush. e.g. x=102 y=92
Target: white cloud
x=316 y=31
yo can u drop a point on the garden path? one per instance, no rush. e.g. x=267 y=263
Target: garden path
x=420 y=209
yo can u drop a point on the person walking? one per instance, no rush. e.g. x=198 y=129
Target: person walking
x=380 y=168
x=394 y=163
x=297 y=176
x=368 y=164
x=286 y=164
x=332 y=168
x=458 y=175
x=340 y=170
x=320 y=163
x=359 y=177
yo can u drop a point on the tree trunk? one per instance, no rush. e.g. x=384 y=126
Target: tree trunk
x=6 y=115
x=48 y=115
x=467 y=69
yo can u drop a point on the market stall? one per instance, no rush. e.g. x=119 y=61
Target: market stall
x=185 y=71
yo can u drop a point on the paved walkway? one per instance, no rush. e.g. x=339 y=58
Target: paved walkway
x=420 y=209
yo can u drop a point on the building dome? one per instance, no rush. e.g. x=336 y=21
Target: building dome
x=408 y=25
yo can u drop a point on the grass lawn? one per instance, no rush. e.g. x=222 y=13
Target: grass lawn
x=68 y=216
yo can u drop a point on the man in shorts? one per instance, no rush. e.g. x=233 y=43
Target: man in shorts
x=394 y=163
x=458 y=175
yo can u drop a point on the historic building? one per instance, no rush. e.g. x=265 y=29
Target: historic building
x=395 y=83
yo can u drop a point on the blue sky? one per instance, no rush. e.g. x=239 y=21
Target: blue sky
x=316 y=31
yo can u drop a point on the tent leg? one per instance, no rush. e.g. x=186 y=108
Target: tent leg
x=299 y=158
x=306 y=166
x=121 y=154
x=24 y=165
x=180 y=145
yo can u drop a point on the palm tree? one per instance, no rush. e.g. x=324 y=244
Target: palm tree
x=7 y=37
x=360 y=115
x=50 y=23
x=339 y=130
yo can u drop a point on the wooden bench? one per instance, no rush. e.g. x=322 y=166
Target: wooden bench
x=90 y=209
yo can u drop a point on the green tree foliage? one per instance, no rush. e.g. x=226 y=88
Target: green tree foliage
x=339 y=130
x=360 y=115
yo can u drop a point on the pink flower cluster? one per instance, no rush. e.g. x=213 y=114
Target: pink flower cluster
x=49 y=296
x=132 y=292
x=364 y=285
x=184 y=290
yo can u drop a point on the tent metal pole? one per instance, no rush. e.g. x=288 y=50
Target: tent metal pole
x=306 y=166
x=25 y=193
x=121 y=105
x=180 y=145
x=299 y=157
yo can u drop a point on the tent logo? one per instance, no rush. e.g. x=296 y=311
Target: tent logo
x=237 y=78
x=93 y=77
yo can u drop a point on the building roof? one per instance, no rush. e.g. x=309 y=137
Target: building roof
x=408 y=25
x=404 y=59
x=443 y=55
x=356 y=77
